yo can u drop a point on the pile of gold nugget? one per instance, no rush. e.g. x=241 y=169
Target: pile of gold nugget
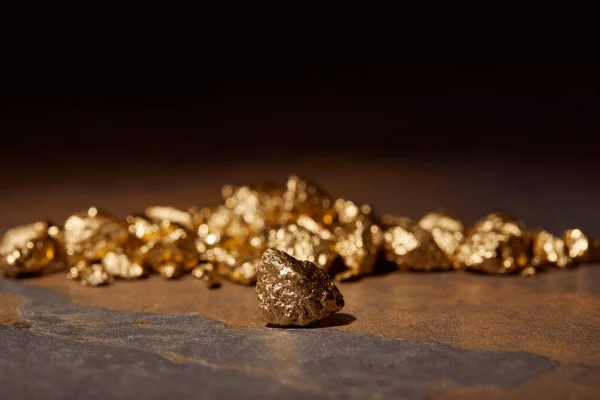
x=344 y=239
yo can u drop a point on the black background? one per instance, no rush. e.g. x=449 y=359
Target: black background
x=71 y=114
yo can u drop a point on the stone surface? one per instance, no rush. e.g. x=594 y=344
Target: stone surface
x=73 y=351
x=293 y=292
x=400 y=335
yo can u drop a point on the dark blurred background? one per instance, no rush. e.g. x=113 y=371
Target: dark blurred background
x=131 y=111
x=84 y=121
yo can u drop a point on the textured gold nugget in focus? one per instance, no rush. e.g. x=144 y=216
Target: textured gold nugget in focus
x=343 y=239
x=294 y=293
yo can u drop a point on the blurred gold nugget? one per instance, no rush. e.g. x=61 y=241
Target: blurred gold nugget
x=448 y=231
x=340 y=237
x=124 y=263
x=235 y=259
x=170 y=259
x=304 y=197
x=580 y=247
x=164 y=214
x=503 y=223
x=208 y=274
x=258 y=205
x=98 y=247
x=229 y=242
x=89 y=274
x=27 y=249
x=358 y=239
x=149 y=231
x=169 y=248
x=305 y=240
x=548 y=250
x=497 y=245
x=412 y=247
x=218 y=223
x=91 y=234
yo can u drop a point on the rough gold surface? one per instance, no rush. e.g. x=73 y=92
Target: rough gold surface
x=548 y=250
x=26 y=249
x=358 y=239
x=496 y=245
x=294 y=293
x=412 y=247
x=448 y=230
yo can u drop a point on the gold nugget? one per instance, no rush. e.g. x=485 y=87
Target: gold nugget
x=305 y=240
x=304 y=197
x=88 y=274
x=27 y=249
x=448 y=231
x=235 y=259
x=257 y=205
x=171 y=258
x=162 y=214
x=124 y=263
x=578 y=245
x=207 y=273
x=169 y=249
x=219 y=223
x=230 y=243
x=358 y=239
x=548 y=250
x=149 y=231
x=412 y=247
x=91 y=234
x=497 y=245
x=503 y=223
x=294 y=293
